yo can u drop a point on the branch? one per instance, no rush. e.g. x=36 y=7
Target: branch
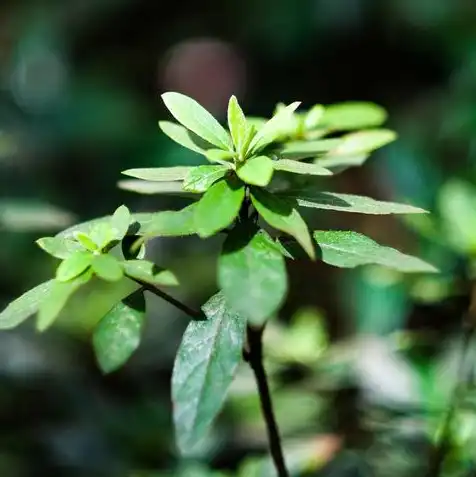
x=254 y=356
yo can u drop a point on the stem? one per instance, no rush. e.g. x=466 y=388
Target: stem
x=254 y=356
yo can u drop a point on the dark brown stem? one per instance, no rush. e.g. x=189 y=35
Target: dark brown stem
x=254 y=356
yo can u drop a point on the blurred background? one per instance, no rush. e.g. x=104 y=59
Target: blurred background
x=363 y=363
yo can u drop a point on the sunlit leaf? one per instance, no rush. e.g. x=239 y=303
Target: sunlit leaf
x=59 y=247
x=148 y=272
x=118 y=334
x=73 y=266
x=169 y=223
x=184 y=137
x=237 y=125
x=107 y=267
x=337 y=164
x=200 y=178
x=296 y=167
x=364 y=141
x=257 y=170
x=353 y=115
x=196 y=118
x=150 y=188
x=204 y=368
x=314 y=117
x=219 y=155
x=86 y=241
x=159 y=174
x=307 y=149
x=121 y=219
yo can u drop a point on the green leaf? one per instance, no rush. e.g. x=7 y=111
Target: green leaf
x=86 y=241
x=200 y=178
x=73 y=266
x=204 y=368
x=59 y=247
x=252 y=274
x=133 y=247
x=148 y=272
x=314 y=117
x=107 y=267
x=237 y=125
x=24 y=306
x=150 y=188
x=196 y=118
x=118 y=334
x=121 y=219
x=364 y=141
x=270 y=131
x=297 y=167
x=307 y=149
x=282 y=215
x=353 y=115
x=218 y=207
x=337 y=164
x=169 y=223
x=257 y=170
x=349 y=203
x=351 y=249
x=102 y=234
x=220 y=156
x=56 y=299
x=159 y=174
x=184 y=137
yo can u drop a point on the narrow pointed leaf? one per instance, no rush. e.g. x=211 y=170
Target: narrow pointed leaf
x=307 y=149
x=270 y=131
x=86 y=241
x=218 y=208
x=220 y=156
x=283 y=215
x=107 y=267
x=351 y=249
x=200 y=178
x=121 y=219
x=337 y=164
x=314 y=117
x=148 y=272
x=169 y=223
x=353 y=115
x=257 y=171
x=237 y=124
x=56 y=299
x=184 y=137
x=297 y=167
x=349 y=203
x=118 y=334
x=73 y=266
x=196 y=118
x=159 y=174
x=204 y=369
x=151 y=188
x=24 y=306
x=364 y=141
x=252 y=275
x=59 y=247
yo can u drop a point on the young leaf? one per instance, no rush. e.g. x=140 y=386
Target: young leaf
x=297 y=167
x=107 y=267
x=86 y=241
x=196 y=118
x=169 y=223
x=73 y=266
x=220 y=156
x=237 y=125
x=257 y=170
x=200 y=178
x=313 y=117
x=150 y=188
x=24 y=306
x=349 y=203
x=353 y=115
x=148 y=272
x=269 y=132
x=57 y=298
x=118 y=334
x=159 y=174
x=252 y=274
x=204 y=368
x=184 y=137
x=102 y=234
x=219 y=206
x=306 y=149
x=59 y=247
x=121 y=219
x=337 y=164
x=364 y=141
x=351 y=249
x=282 y=215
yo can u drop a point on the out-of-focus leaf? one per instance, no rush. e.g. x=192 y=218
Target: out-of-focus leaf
x=364 y=141
x=337 y=164
x=307 y=149
x=353 y=115
x=257 y=170
x=120 y=222
x=148 y=272
x=151 y=188
x=159 y=174
x=200 y=178
x=296 y=167
x=314 y=117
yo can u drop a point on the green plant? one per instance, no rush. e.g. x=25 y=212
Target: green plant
x=259 y=174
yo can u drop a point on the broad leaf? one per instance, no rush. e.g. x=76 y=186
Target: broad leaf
x=59 y=247
x=297 y=167
x=56 y=299
x=351 y=249
x=270 y=131
x=283 y=215
x=184 y=137
x=237 y=125
x=169 y=223
x=24 y=306
x=220 y=156
x=102 y=234
x=150 y=188
x=200 y=178
x=349 y=203
x=73 y=266
x=159 y=174
x=121 y=219
x=218 y=208
x=337 y=164
x=314 y=116
x=148 y=272
x=118 y=334
x=307 y=149
x=252 y=274
x=204 y=368
x=86 y=241
x=107 y=267
x=257 y=170
x=196 y=118
x=364 y=141
x=353 y=115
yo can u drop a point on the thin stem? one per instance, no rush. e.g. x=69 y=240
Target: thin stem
x=194 y=314
x=254 y=356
